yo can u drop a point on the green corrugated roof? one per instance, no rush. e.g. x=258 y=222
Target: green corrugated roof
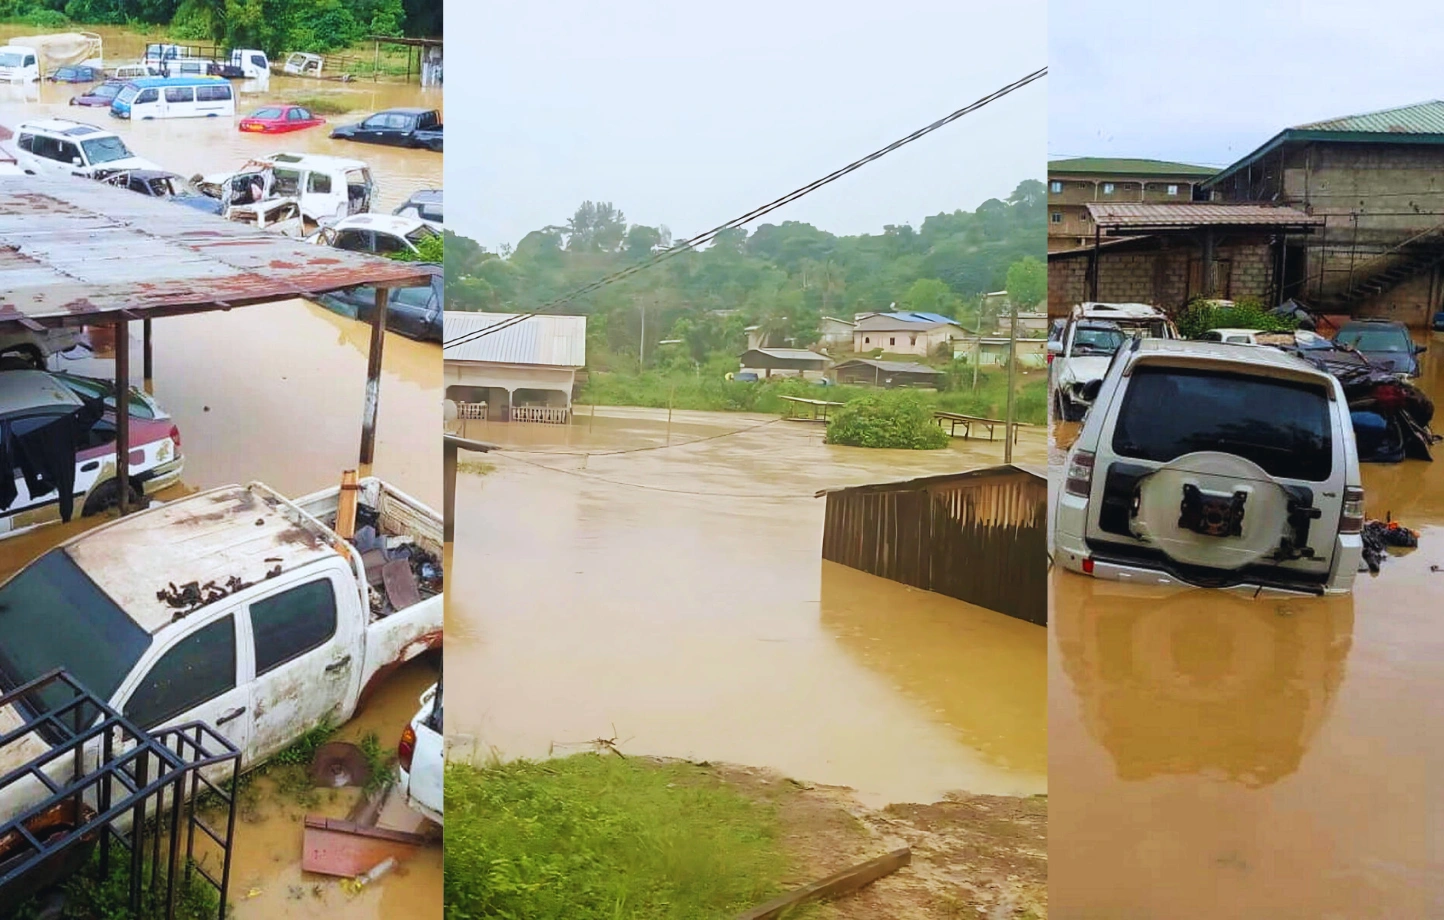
x=1122 y=166
x=1421 y=123
x=1422 y=118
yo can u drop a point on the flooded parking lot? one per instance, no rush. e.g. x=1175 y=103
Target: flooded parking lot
x=1266 y=757
x=675 y=599
x=189 y=146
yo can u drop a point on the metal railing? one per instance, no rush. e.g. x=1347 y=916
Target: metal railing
x=551 y=415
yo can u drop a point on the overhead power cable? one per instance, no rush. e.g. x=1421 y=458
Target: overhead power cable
x=701 y=238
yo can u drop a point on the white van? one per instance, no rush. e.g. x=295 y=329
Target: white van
x=61 y=147
x=1216 y=466
x=175 y=97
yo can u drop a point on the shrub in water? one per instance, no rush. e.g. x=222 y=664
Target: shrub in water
x=897 y=419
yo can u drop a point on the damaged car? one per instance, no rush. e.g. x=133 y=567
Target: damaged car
x=1214 y=465
x=1081 y=354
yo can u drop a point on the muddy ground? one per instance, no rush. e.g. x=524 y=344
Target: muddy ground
x=972 y=856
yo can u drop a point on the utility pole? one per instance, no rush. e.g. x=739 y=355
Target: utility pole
x=642 y=343
x=1012 y=363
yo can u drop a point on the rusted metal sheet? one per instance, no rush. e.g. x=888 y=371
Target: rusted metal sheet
x=72 y=251
x=979 y=536
x=1106 y=215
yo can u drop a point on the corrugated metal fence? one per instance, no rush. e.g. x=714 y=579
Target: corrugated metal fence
x=979 y=536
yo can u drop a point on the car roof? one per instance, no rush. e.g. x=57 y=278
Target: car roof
x=1373 y=321
x=62 y=126
x=33 y=389
x=240 y=531
x=1231 y=331
x=405 y=110
x=314 y=161
x=392 y=223
x=1121 y=310
x=152 y=82
x=424 y=195
x=1241 y=357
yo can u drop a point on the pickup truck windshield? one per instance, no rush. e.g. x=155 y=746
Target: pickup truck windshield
x=1281 y=425
x=1097 y=341
x=52 y=615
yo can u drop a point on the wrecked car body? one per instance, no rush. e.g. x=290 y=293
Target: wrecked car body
x=235 y=607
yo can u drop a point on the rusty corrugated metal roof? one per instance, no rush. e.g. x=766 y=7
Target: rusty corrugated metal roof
x=1197 y=215
x=73 y=250
x=547 y=338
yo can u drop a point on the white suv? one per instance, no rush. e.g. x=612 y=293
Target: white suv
x=1214 y=465
x=1082 y=353
x=61 y=147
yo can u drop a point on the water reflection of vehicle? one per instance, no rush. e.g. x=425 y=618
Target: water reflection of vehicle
x=415 y=312
x=1200 y=683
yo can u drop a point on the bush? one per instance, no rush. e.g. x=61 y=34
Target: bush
x=897 y=419
x=1202 y=315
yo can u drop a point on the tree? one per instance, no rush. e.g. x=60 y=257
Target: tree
x=1027 y=282
x=929 y=295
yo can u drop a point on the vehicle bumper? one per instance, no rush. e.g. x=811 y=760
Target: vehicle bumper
x=164 y=476
x=403 y=782
x=1072 y=553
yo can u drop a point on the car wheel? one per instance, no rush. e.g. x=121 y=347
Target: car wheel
x=107 y=495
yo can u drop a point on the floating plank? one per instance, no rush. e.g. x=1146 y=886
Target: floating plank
x=335 y=847
x=834 y=886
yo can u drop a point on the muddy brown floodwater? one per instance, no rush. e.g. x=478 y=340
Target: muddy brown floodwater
x=1214 y=756
x=676 y=600
x=213 y=145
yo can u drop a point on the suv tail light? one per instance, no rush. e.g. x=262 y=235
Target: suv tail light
x=407 y=748
x=1051 y=356
x=1080 y=474
x=1352 y=520
x=175 y=437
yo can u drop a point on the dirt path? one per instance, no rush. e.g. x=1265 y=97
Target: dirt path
x=972 y=856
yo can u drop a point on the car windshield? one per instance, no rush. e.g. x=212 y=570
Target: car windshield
x=1097 y=341
x=52 y=615
x=1281 y=425
x=1364 y=339
x=10 y=59
x=90 y=388
x=105 y=149
x=127 y=94
x=105 y=91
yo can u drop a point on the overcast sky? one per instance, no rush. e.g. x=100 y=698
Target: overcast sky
x=691 y=114
x=1208 y=86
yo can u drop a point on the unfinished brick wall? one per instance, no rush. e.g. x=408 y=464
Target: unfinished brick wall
x=1413 y=302
x=1165 y=277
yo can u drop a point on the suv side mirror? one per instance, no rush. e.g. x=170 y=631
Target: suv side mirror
x=1055 y=348
x=1091 y=389
x=77 y=161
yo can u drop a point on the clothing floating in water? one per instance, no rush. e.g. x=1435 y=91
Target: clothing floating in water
x=1380 y=535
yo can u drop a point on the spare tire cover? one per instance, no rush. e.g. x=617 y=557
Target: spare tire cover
x=1161 y=495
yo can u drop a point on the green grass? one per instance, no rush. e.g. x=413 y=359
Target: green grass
x=656 y=389
x=594 y=837
x=90 y=896
x=326 y=105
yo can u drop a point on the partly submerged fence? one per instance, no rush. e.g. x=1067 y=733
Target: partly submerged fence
x=979 y=536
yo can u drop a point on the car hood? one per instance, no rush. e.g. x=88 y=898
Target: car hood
x=1083 y=368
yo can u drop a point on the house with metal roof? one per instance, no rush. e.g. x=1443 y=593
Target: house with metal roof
x=783 y=362
x=513 y=367
x=1075 y=182
x=888 y=374
x=905 y=333
x=1374 y=180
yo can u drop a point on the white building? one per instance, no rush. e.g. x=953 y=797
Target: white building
x=524 y=371
x=920 y=334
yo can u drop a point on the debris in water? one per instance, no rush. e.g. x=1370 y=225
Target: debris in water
x=1380 y=535
x=339 y=764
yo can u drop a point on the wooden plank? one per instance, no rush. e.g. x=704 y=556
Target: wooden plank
x=334 y=847
x=834 y=886
x=346 y=510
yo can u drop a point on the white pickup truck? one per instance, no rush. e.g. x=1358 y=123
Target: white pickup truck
x=421 y=758
x=234 y=606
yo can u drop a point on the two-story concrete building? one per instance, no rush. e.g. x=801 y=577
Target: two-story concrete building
x=1377 y=180
x=1074 y=183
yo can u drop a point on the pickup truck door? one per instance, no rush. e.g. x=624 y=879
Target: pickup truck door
x=198 y=676
x=307 y=639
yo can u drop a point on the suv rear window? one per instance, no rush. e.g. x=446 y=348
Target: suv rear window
x=1281 y=425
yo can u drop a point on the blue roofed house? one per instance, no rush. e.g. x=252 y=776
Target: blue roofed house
x=905 y=333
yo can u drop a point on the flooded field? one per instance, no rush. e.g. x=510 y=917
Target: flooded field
x=1267 y=758
x=188 y=146
x=674 y=599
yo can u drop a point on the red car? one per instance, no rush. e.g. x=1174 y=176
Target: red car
x=279 y=119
